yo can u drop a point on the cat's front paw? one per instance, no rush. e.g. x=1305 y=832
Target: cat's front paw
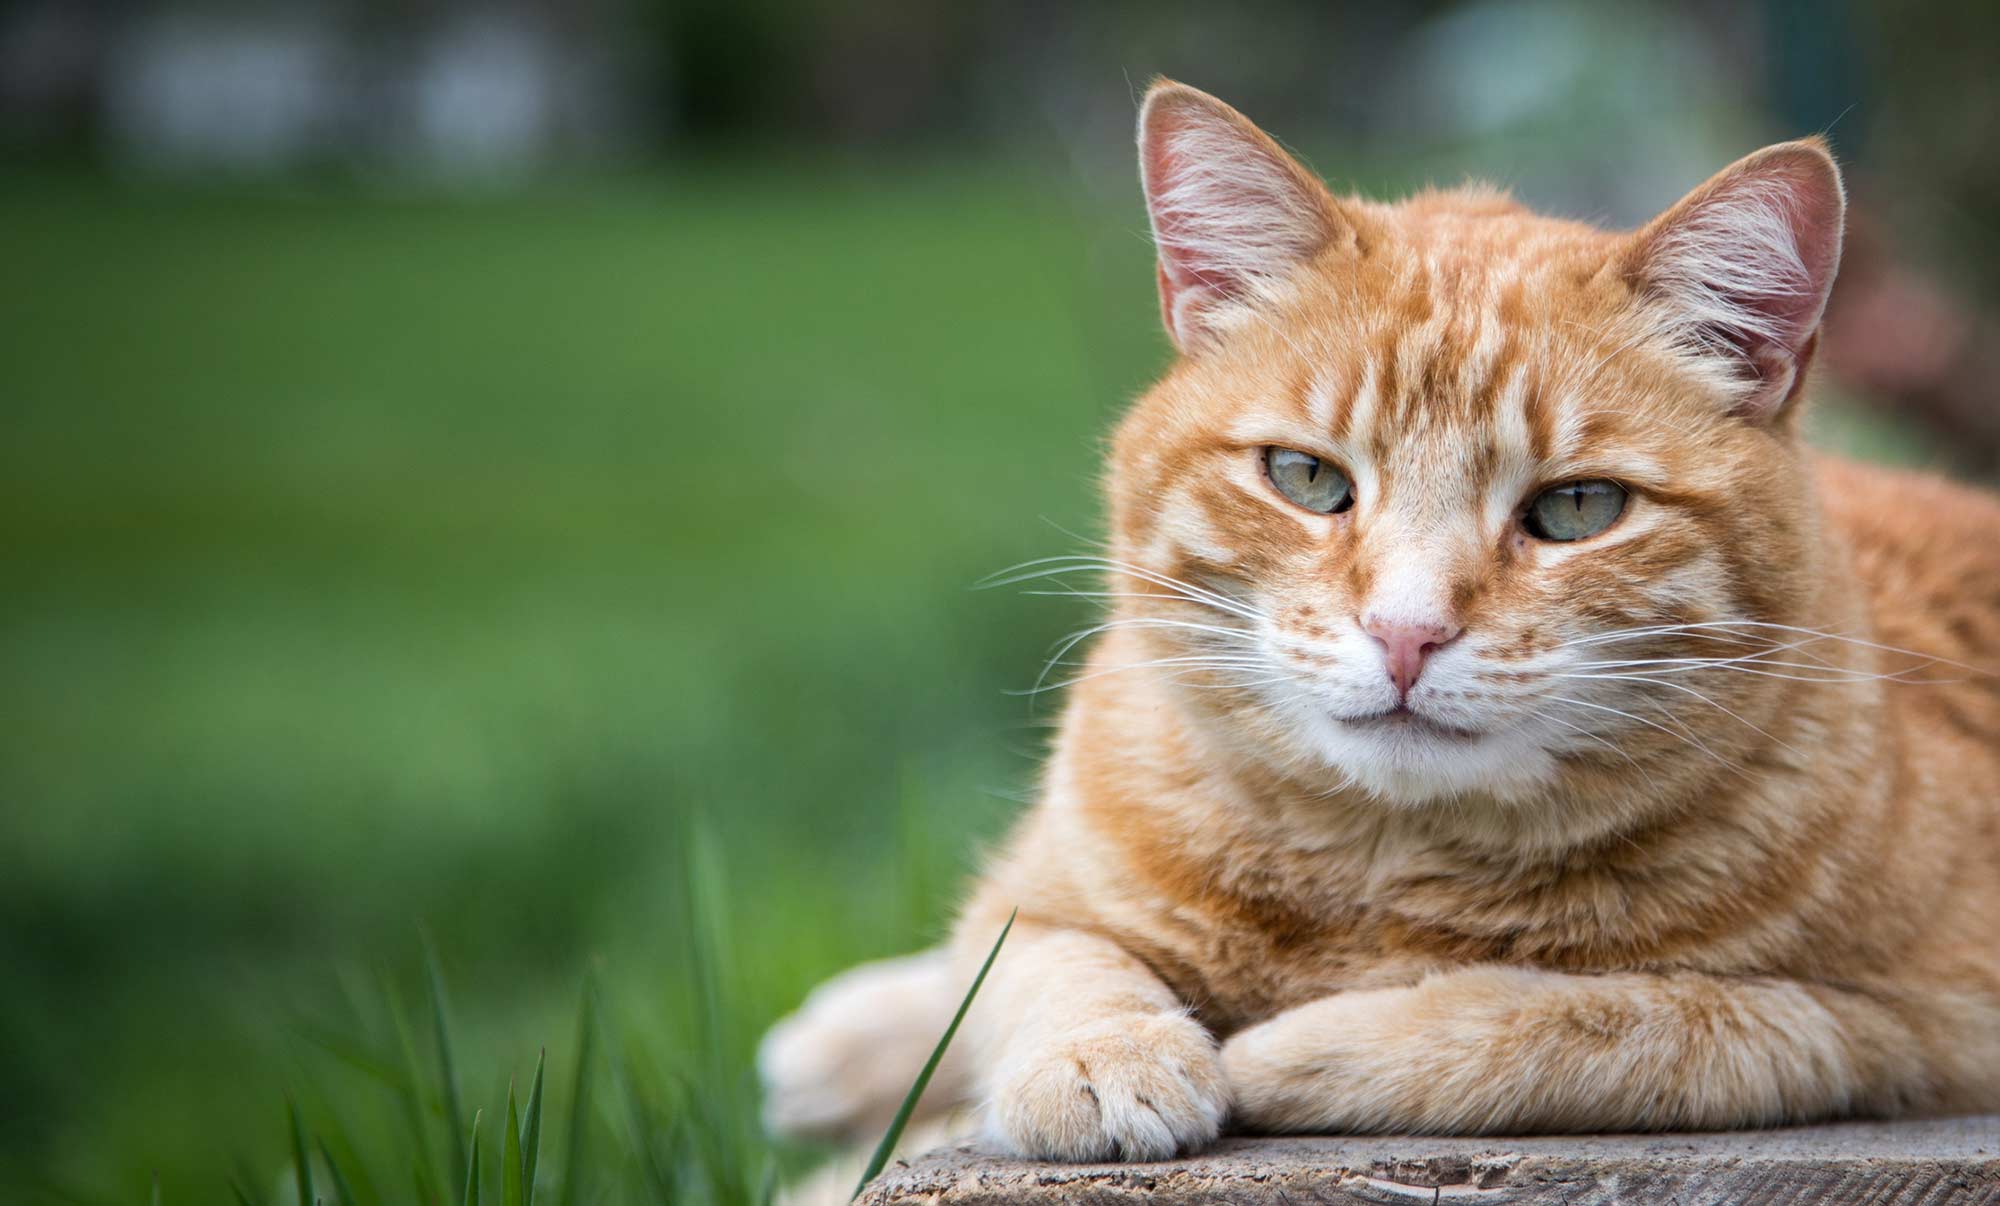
x=1269 y=1073
x=1131 y=1088
x=838 y=1068
x=1401 y=1060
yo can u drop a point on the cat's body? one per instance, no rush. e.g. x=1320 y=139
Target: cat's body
x=1390 y=810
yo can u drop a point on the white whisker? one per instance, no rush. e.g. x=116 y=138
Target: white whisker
x=1732 y=626
x=1050 y=567
x=1183 y=667
x=1816 y=673
x=1583 y=732
x=1680 y=736
x=1687 y=690
x=1076 y=638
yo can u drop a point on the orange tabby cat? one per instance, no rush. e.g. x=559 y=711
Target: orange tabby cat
x=1504 y=723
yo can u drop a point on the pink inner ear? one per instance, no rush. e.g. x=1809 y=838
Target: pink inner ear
x=1183 y=197
x=1814 y=216
x=1229 y=209
x=1744 y=265
x=1185 y=282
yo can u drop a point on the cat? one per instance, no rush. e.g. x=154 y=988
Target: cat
x=1504 y=722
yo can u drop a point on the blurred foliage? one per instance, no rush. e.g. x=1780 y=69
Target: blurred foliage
x=377 y=561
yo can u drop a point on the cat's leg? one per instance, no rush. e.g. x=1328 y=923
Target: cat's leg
x=1086 y=1055
x=838 y=1068
x=1497 y=1050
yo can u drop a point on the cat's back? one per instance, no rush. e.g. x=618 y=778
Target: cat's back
x=1928 y=553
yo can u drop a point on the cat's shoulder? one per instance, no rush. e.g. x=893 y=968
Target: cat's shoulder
x=1928 y=550
x=1902 y=508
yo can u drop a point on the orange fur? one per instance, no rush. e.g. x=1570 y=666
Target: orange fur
x=1680 y=894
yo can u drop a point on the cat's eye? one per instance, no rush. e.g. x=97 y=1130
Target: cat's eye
x=1308 y=481
x=1575 y=510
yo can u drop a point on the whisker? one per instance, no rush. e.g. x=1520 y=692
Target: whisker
x=1687 y=690
x=1732 y=625
x=1080 y=538
x=1583 y=732
x=1680 y=736
x=1768 y=647
x=1185 y=666
x=1661 y=630
x=1076 y=638
x=1762 y=669
x=1102 y=594
x=1050 y=567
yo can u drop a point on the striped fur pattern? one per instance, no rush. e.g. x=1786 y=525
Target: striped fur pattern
x=1692 y=823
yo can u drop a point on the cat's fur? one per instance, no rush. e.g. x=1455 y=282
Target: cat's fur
x=1726 y=850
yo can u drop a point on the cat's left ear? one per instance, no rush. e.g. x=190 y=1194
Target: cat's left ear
x=1739 y=271
x=1233 y=215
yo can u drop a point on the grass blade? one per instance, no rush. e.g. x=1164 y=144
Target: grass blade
x=345 y=1162
x=886 y=1148
x=472 y=1165
x=649 y=1136
x=510 y=1154
x=242 y=1195
x=720 y=1130
x=342 y=1191
x=155 y=1198
x=447 y=1068
x=431 y=1177
x=349 y=1052
x=302 y=1167
x=575 y=1155
x=531 y=1133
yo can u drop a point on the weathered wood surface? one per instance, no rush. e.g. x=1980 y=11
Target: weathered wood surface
x=1954 y=1160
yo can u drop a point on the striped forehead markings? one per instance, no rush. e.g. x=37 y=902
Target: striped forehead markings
x=1449 y=348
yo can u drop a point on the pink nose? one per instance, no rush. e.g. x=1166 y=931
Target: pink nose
x=1405 y=646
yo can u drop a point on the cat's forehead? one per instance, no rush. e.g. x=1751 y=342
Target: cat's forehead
x=1477 y=354
x=1468 y=318
x=1474 y=256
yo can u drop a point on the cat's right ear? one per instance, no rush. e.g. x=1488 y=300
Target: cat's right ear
x=1233 y=215
x=1739 y=271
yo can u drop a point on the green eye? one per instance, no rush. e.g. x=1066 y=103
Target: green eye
x=1575 y=510
x=1308 y=481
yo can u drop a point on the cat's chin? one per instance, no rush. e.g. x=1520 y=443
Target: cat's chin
x=1407 y=760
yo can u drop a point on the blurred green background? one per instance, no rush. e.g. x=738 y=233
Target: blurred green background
x=464 y=467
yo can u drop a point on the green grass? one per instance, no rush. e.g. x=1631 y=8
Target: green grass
x=376 y=563
x=879 y=1158
x=670 y=1157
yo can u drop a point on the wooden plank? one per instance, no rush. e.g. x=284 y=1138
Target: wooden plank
x=1949 y=1160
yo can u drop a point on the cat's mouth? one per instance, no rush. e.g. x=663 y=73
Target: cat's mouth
x=1402 y=718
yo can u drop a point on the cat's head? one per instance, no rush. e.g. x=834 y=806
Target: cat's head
x=1442 y=498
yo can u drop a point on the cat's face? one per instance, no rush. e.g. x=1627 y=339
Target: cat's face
x=1434 y=495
